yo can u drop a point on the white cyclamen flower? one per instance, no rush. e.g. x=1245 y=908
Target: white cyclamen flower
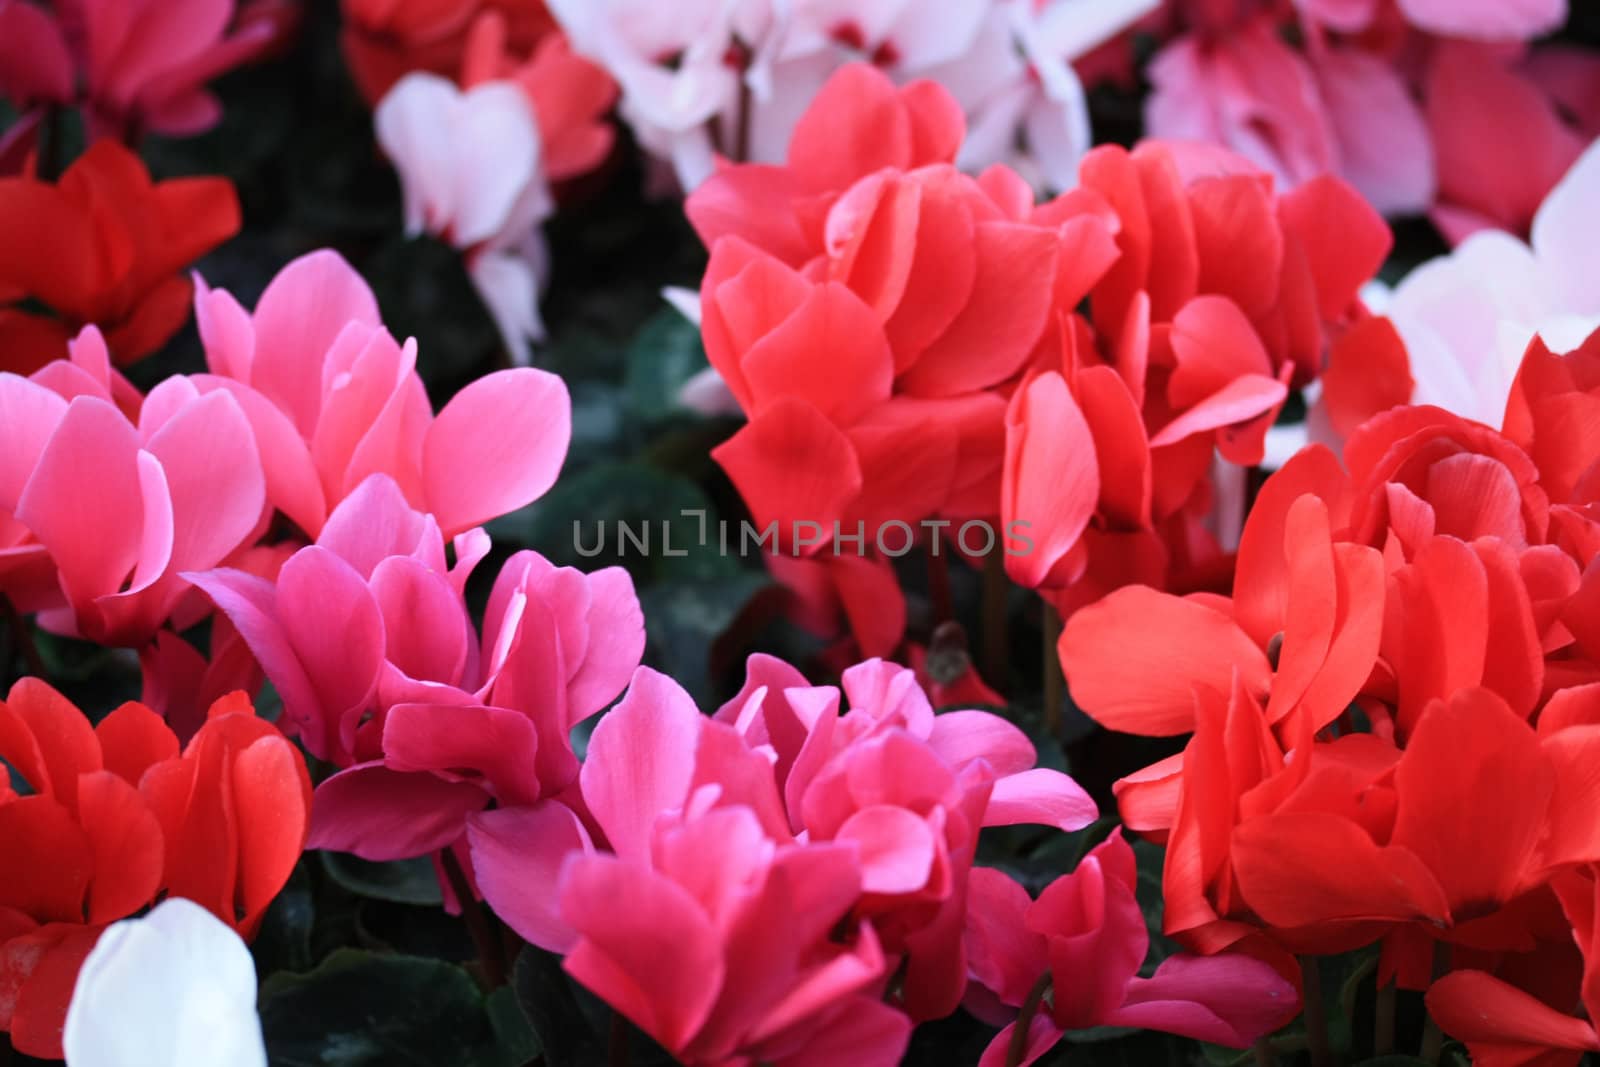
x=175 y=988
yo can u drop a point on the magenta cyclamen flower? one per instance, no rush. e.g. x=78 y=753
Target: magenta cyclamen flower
x=896 y=790
x=1086 y=936
x=367 y=638
x=143 y=64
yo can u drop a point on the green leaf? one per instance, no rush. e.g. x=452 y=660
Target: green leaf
x=683 y=620
x=402 y=881
x=512 y=1025
x=664 y=355
x=567 y=1036
x=359 y=1009
x=284 y=941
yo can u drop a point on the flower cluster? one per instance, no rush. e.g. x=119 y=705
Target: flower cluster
x=787 y=879
x=118 y=243
x=1393 y=713
x=732 y=78
x=1423 y=105
x=1331 y=547
x=117 y=816
x=136 y=66
x=964 y=382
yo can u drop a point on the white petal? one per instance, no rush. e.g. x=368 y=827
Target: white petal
x=509 y=285
x=413 y=124
x=176 y=988
x=496 y=159
x=1566 y=236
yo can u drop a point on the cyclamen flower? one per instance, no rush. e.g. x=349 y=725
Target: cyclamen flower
x=1334 y=109
x=476 y=162
x=116 y=509
x=469 y=163
x=1468 y=317
x=1407 y=655
x=383 y=40
x=733 y=79
x=333 y=398
x=1087 y=934
x=118 y=816
x=896 y=793
x=1502 y=1023
x=430 y=723
x=1505 y=127
x=175 y=985
x=117 y=240
x=144 y=64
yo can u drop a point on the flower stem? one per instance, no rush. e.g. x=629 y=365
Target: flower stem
x=1316 y=1012
x=617 y=1051
x=1054 y=681
x=491 y=953
x=1017 y=1051
x=24 y=637
x=1432 y=1037
x=1263 y=1051
x=1383 y=1021
x=996 y=641
x=939 y=584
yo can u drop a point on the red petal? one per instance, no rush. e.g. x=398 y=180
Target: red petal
x=792 y=466
x=1308 y=868
x=1134 y=659
x=1001 y=322
x=1344 y=238
x=1472 y=763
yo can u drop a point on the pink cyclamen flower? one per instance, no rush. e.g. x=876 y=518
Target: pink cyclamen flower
x=907 y=791
x=144 y=63
x=333 y=398
x=1087 y=934
x=407 y=696
x=1333 y=109
x=725 y=946
x=114 y=508
x=471 y=166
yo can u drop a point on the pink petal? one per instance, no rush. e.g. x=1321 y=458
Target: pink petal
x=375 y=522
x=382 y=815
x=517 y=854
x=302 y=311
x=641 y=761
x=1041 y=796
x=1488 y=20
x=83 y=501
x=615 y=626
x=963 y=736
x=29 y=414
x=291 y=478
x=337 y=634
x=213 y=472
x=644 y=946
x=1384 y=150
x=496 y=745
x=1002 y=953
x=896 y=848
x=495 y=447
x=1231 y=999
x=428 y=632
